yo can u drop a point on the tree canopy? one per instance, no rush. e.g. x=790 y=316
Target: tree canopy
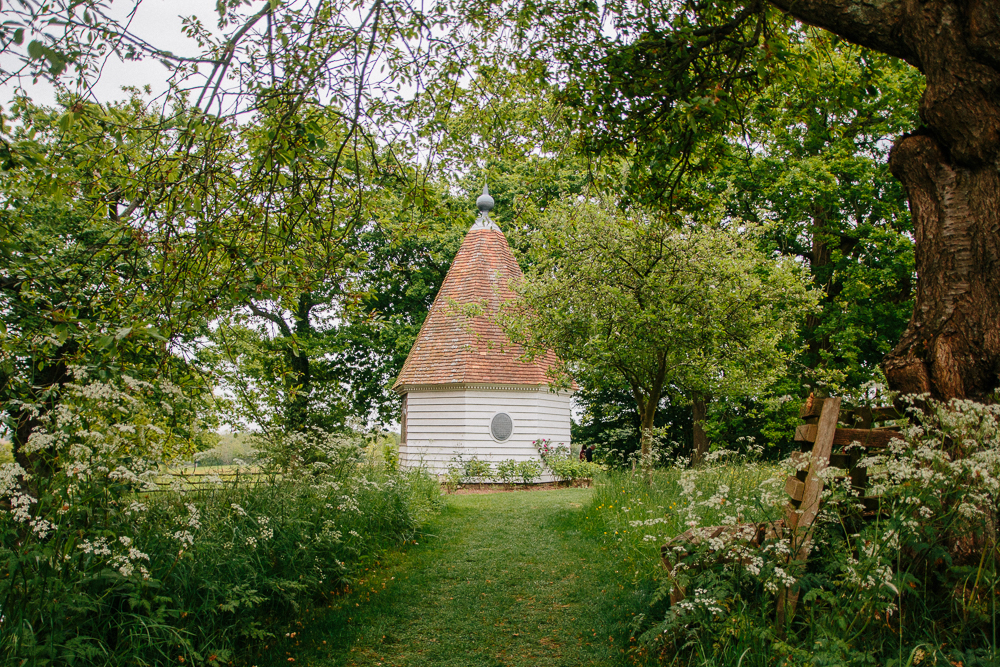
x=298 y=184
x=663 y=306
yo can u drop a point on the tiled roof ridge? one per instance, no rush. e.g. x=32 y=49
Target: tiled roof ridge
x=452 y=348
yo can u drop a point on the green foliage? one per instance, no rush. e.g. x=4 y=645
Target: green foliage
x=390 y=454
x=915 y=580
x=474 y=468
x=571 y=468
x=821 y=132
x=528 y=471
x=159 y=577
x=673 y=79
x=453 y=478
x=407 y=250
x=609 y=421
x=560 y=462
x=77 y=289
x=808 y=159
x=506 y=472
x=102 y=560
x=632 y=298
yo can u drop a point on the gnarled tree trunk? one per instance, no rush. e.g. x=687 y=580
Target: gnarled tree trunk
x=951 y=348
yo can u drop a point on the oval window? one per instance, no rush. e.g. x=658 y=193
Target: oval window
x=501 y=427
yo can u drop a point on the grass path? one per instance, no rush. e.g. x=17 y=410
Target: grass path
x=497 y=579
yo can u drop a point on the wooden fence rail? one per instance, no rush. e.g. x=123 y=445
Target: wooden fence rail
x=825 y=444
x=189 y=484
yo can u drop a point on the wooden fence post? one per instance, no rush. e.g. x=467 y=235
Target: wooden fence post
x=799 y=519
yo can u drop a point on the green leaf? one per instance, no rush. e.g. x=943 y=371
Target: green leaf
x=36 y=50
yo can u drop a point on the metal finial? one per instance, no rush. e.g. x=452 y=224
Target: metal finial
x=485 y=202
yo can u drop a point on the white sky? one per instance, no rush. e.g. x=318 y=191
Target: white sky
x=156 y=21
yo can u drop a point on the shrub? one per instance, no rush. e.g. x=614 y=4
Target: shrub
x=470 y=470
x=528 y=471
x=390 y=454
x=570 y=468
x=476 y=470
x=453 y=477
x=506 y=472
x=564 y=466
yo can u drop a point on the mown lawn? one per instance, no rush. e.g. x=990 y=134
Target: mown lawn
x=499 y=579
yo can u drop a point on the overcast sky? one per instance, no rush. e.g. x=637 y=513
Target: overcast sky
x=157 y=21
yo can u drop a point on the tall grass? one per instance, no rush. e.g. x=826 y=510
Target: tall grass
x=640 y=517
x=196 y=577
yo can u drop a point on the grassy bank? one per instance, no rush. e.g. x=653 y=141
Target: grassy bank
x=890 y=590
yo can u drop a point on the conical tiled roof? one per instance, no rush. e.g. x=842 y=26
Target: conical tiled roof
x=453 y=348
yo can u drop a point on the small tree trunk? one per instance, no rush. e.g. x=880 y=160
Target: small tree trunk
x=299 y=384
x=699 y=410
x=646 y=415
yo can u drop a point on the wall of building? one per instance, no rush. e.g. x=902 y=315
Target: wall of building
x=445 y=421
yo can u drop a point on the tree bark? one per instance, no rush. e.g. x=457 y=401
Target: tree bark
x=647 y=411
x=699 y=410
x=951 y=348
x=300 y=387
x=48 y=385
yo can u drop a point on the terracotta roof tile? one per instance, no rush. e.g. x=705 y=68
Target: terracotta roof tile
x=453 y=348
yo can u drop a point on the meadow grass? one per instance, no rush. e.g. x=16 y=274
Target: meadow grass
x=870 y=594
x=622 y=499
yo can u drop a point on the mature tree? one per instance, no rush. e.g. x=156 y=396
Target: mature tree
x=503 y=128
x=271 y=343
x=633 y=295
x=949 y=169
x=809 y=158
x=80 y=294
x=674 y=77
x=230 y=214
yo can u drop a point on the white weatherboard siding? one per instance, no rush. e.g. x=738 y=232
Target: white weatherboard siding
x=445 y=421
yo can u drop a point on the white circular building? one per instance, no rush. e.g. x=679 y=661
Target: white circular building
x=466 y=391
